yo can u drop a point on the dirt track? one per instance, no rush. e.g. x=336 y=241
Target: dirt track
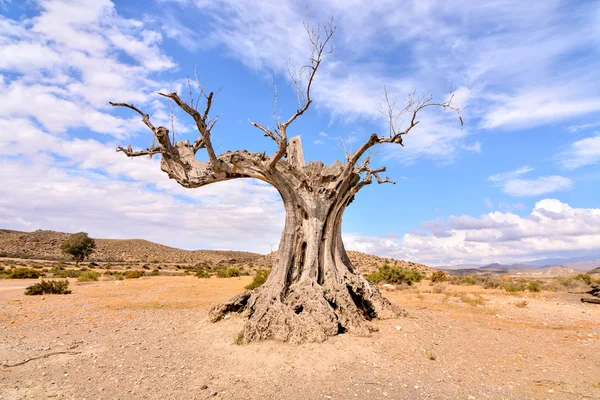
x=150 y=339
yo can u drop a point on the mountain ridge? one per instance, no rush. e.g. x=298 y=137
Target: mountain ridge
x=45 y=244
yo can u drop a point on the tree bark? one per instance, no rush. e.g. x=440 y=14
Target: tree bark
x=313 y=290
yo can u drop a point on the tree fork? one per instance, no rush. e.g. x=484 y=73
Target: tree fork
x=313 y=290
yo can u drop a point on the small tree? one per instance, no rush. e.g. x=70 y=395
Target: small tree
x=79 y=246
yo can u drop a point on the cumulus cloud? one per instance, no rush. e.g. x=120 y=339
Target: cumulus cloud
x=60 y=69
x=46 y=197
x=552 y=229
x=513 y=185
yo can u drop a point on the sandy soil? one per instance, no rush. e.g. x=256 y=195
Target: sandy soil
x=150 y=339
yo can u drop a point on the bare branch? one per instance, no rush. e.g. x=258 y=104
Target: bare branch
x=414 y=105
x=148 y=152
x=200 y=124
x=145 y=117
x=319 y=46
x=318 y=51
x=267 y=132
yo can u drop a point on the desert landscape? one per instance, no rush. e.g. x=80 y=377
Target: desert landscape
x=150 y=338
x=299 y=200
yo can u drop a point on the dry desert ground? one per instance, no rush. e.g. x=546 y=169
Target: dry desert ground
x=149 y=338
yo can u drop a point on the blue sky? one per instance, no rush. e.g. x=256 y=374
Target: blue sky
x=519 y=181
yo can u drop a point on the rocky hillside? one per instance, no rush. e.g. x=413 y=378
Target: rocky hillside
x=365 y=263
x=42 y=244
x=46 y=245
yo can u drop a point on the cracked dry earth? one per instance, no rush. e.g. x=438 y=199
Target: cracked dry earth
x=150 y=339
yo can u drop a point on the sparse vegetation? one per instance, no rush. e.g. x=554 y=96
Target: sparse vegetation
x=463 y=280
x=230 y=272
x=48 y=287
x=79 y=246
x=135 y=274
x=260 y=278
x=23 y=273
x=115 y=274
x=513 y=287
x=202 y=274
x=439 y=288
x=439 y=276
x=431 y=356
x=155 y=272
x=65 y=273
x=473 y=300
x=534 y=286
x=239 y=338
x=88 y=276
x=522 y=304
x=394 y=275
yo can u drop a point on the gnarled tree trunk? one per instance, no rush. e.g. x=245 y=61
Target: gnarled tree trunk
x=313 y=290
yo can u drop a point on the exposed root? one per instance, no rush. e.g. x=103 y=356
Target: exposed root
x=236 y=304
x=309 y=312
x=38 y=357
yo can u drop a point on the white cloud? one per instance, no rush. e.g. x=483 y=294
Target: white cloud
x=536 y=187
x=582 y=127
x=581 y=153
x=538 y=107
x=46 y=197
x=553 y=228
x=318 y=142
x=62 y=67
x=512 y=185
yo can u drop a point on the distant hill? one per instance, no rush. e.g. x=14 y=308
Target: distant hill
x=595 y=271
x=547 y=271
x=581 y=264
x=44 y=244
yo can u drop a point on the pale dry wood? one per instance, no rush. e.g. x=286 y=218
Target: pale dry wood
x=313 y=290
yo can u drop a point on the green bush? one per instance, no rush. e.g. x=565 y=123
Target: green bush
x=463 y=280
x=394 y=275
x=65 y=273
x=260 y=278
x=534 y=286
x=585 y=278
x=202 y=274
x=134 y=274
x=512 y=287
x=115 y=274
x=230 y=272
x=88 y=276
x=48 y=287
x=491 y=283
x=23 y=273
x=439 y=276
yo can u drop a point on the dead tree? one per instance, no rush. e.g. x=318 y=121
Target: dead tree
x=313 y=290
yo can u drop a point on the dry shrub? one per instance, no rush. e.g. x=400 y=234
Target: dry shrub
x=439 y=276
x=134 y=274
x=438 y=288
x=88 y=276
x=48 y=287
